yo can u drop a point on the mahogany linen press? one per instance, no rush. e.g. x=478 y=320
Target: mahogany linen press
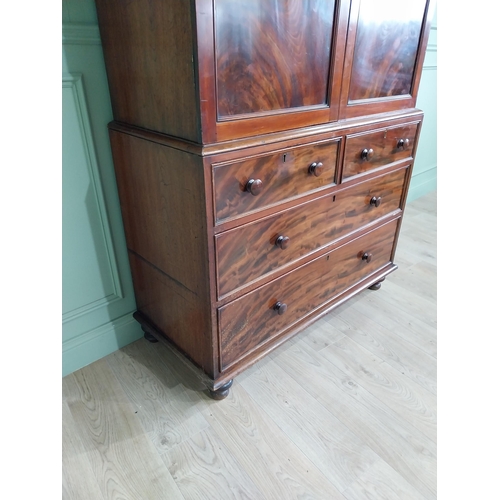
x=263 y=151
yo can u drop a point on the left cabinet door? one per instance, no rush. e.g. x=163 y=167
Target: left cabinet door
x=273 y=65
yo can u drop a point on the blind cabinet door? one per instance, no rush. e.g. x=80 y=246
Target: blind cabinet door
x=384 y=55
x=272 y=56
x=277 y=64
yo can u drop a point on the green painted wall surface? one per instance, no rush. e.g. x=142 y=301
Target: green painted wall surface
x=424 y=176
x=98 y=298
x=79 y=11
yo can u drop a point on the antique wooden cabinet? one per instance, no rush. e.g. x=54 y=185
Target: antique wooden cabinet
x=263 y=151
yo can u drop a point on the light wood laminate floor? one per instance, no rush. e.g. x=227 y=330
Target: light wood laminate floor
x=345 y=410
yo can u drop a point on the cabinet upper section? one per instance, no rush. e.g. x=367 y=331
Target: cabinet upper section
x=215 y=70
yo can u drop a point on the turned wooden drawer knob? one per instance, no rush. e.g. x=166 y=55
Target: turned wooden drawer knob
x=367 y=154
x=403 y=144
x=282 y=242
x=367 y=257
x=376 y=201
x=280 y=307
x=254 y=186
x=316 y=169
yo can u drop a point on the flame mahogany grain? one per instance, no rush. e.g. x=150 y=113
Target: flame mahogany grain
x=249 y=252
x=283 y=175
x=248 y=322
x=266 y=58
x=384 y=55
x=205 y=71
x=387 y=39
x=384 y=144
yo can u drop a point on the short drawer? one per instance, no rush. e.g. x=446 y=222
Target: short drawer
x=263 y=314
x=254 y=183
x=256 y=249
x=366 y=151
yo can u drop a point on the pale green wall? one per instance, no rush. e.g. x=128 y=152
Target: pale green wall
x=98 y=299
x=79 y=11
x=424 y=177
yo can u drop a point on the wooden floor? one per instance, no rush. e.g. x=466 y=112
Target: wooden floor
x=345 y=410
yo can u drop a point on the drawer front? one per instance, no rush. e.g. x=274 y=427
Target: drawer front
x=251 y=251
x=253 y=319
x=255 y=183
x=367 y=151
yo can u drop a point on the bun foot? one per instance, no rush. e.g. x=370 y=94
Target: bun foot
x=221 y=392
x=377 y=285
x=149 y=337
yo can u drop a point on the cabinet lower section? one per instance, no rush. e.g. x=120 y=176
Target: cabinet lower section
x=224 y=273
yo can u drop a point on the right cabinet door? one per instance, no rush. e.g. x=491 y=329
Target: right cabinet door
x=384 y=55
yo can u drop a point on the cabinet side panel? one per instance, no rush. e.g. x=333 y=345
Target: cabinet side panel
x=175 y=311
x=162 y=200
x=149 y=53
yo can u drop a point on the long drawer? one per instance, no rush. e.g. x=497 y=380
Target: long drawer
x=255 y=183
x=370 y=150
x=251 y=251
x=263 y=314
